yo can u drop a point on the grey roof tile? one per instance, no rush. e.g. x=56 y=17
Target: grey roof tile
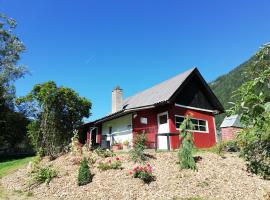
x=159 y=93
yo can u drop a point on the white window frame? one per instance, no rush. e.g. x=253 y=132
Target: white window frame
x=163 y=113
x=206 y=124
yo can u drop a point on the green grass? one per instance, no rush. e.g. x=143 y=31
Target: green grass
x=9 y=166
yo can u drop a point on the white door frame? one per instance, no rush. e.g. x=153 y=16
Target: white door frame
x=164 y=138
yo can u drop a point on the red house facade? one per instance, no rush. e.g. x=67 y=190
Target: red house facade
x=159 y=112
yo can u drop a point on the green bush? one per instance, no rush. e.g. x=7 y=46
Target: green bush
x=256 y=152
x=44 y=174
x=85 y=175
x=137 y=154
x=104 y=153
x=185 y=153
x=231 y=146
x=115 y=164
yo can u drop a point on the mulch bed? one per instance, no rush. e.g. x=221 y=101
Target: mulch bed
x=216 y=178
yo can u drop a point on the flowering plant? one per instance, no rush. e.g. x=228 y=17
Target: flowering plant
x=110 y=164
x=144 y=173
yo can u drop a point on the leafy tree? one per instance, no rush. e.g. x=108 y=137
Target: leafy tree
x=12 y=124
x=57 y=112
x=253 y=102
x=185 y=153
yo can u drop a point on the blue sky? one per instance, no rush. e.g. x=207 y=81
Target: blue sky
x=92 y=46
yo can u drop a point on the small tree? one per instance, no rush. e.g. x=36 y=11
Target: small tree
x=84 y=176
x=185 y=153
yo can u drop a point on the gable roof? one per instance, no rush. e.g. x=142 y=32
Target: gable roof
x=162 y=93
x=158 y=93
x=231 y=121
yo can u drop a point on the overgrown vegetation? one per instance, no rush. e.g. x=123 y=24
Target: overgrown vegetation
x=111 y=164
x=185 y=153
x=84 y=176
x=137 y=154
x=57 y=112
x=253 y=102
x=104 y=153
x=44 y=174
x=222 y=147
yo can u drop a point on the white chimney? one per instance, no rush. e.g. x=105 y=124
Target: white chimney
x=117 y=99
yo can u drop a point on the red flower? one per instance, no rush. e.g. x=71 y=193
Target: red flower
x=117 y=158
x=130 y=172
x=109 y=161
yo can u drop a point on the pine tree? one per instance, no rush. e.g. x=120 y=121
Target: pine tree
x=185 y=153
x=84 y=176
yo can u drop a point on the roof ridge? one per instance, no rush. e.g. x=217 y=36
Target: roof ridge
x=189 y=71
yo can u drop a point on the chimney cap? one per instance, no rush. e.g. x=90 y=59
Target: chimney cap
x=117 y=88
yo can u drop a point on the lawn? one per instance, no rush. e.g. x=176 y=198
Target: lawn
x=11 y=165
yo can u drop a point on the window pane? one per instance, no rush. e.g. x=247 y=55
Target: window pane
x=179 y=119
x=163 y=119
x=194 y=121
x=202 y=128
x=196 y=128
x=202 y=122
x=177 y=125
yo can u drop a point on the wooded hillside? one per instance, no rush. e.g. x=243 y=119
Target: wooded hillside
x=225 y=85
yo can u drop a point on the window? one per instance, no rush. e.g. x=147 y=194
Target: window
x=200 y=125
x=163 y=119
x=143 y=120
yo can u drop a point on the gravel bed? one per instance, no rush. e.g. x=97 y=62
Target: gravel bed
x=216 y=178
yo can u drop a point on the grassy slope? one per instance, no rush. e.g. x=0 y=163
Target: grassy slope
x=9 y=166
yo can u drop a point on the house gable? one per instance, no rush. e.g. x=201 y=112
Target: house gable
x=195 y=92
x=194 y=95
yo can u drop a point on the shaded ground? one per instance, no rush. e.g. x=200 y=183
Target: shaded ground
x=216 y=178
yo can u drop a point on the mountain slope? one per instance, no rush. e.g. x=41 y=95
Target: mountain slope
x=225 y=85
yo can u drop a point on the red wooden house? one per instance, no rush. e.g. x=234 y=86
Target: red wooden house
x=159 y=111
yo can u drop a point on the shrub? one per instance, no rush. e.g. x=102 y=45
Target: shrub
x=185 y=153
x=84 y=176
x=257 y=154
x=137 y=153
x=44 y=174
x=144 y=173
x=115 y=164
x=231 y=146
x=104 y=153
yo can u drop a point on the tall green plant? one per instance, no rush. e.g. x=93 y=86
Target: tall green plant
x=137 y=154
x=254 y=105
x=84 y=176
x=185 y=153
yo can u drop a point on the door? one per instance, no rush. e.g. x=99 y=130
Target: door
x=163 y=127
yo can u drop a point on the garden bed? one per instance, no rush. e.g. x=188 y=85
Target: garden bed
x=216 y=178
